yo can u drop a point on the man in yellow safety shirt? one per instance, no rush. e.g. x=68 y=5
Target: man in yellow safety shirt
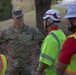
x=66 y=64
x=52 y=44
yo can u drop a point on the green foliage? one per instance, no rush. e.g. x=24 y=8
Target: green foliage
x=55 y=1
x=5 y=9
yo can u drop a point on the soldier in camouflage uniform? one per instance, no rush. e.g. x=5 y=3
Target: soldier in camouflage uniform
x=20 y=39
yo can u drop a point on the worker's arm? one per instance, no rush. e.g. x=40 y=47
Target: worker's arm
x=60 y=67
x=42 y=67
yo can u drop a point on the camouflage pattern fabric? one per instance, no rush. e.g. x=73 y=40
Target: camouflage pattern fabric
x=20 y=47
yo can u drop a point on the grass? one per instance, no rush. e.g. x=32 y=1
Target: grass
x=29 y=17
x=27 y=5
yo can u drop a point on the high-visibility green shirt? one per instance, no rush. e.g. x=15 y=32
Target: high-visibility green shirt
x=49 y=51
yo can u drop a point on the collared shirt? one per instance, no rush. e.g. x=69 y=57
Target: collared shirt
x=20 y=43
x=50 y=51
x=54 y=28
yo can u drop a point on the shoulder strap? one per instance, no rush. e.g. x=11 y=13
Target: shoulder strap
x=54 y=35
x=73 y=35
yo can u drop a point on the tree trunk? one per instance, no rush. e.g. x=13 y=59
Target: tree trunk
x=41 y=7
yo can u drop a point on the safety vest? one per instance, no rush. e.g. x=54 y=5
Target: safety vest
x=58 y=36
x=3 y=64
x=71 y=68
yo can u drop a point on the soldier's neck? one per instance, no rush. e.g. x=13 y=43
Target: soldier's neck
x=18 y=26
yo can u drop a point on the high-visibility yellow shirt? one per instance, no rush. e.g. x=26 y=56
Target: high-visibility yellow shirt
x=50 y=51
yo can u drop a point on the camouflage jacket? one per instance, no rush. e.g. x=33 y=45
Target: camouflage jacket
x=20 y=43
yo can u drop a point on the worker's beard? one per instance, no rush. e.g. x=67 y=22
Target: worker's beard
x=71 y=26
x=72 y=29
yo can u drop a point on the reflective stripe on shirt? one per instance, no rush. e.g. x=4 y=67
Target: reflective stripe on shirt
x=56 y=40
x=47 y=57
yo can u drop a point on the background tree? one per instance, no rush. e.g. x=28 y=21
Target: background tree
x=5 y=9
x=41 y=7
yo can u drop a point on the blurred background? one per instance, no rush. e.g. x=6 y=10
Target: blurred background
x=30 y=11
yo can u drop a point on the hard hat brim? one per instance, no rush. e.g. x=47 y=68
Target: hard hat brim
x=51 y=17
x=70 y=16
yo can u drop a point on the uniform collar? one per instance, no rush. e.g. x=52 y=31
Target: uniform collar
x=25 y=28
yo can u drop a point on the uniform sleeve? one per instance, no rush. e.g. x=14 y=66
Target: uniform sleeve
x=1 y=36
x=38 y=36
x=67 y=51
x=2 y=42
x=48 y=51
x=3 y=45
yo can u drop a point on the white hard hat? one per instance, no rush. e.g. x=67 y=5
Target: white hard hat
x=71 y=11
x=52 y=14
